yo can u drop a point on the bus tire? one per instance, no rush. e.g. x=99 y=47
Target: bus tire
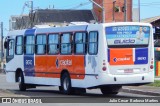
x=109 y=90
x=66 y=84
x=22 y=85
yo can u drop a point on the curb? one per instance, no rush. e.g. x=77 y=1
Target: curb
x=136 y=91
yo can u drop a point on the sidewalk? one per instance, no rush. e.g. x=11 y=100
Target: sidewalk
x=144 y=90
x=158 y=78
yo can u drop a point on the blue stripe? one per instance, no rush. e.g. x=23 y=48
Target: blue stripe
x=85 y=60
x=133 y=36
x=29 y=32
x=29 y=59
x=108 y=55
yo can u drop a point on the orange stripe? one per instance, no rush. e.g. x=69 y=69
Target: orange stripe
x=74 y=64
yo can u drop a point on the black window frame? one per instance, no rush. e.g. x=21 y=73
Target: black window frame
x=33 y=45
x=71 y=43
x=84 y=43
x=58 y=44
x=93 y=42
x=45 y=45
x=10 y=57
x=19 y=45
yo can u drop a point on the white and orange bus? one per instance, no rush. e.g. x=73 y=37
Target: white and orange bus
x=106 y=56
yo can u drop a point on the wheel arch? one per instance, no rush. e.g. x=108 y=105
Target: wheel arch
x=64 y=71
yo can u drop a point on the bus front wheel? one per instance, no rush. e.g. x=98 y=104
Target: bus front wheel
x=22 y=85
x=66 y=84
x=110 y=90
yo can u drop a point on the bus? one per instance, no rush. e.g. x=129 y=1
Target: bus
x=79 y=57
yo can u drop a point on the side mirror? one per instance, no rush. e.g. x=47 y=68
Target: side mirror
x=5 y=44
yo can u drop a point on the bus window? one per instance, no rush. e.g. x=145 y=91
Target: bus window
x=41 y=44
x=29 y=45
x=66 y=40
x=80 y=42
x=53 y=44
x=19 y=45
x=11 y=48
x=93 y=42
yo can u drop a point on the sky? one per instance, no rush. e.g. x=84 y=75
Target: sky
x=149 y=8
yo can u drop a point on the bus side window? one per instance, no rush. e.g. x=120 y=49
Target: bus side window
x=66 y=43
x=29 y=45
x=93 y=43
x=53 y=43
x=19 y=45
x=10 y=48
x=80 y=42
x=41 y=44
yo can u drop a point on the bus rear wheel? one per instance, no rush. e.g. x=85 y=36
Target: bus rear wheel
x=22 y=85
x=110 y=90
x=66 y=84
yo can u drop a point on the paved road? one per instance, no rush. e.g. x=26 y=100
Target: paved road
x=11 y=89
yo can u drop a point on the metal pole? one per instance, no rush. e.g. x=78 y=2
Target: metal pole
x=114 y=1
x=139 y=7
x=31 y=14
x=103 y=12
x=125 y=10
x=2 y=43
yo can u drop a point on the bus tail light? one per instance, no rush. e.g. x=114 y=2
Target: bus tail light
x=151 y=67
x=152 y=62
x=104 y=68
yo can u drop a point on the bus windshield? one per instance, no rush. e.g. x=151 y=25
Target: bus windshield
x=127 y=36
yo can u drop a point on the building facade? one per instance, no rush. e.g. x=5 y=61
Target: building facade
x=51 y=17
x=114 y=10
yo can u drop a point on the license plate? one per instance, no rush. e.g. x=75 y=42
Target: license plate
x=128 y=71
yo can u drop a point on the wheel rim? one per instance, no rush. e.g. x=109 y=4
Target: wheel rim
x=65 y=84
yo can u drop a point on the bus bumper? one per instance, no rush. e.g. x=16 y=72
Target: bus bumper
x=133 y=79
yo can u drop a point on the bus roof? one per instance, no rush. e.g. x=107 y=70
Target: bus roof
x=73 y=28
x=62 y=29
